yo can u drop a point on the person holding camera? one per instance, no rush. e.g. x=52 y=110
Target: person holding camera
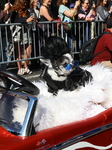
x=20 y=14
x=66 y=16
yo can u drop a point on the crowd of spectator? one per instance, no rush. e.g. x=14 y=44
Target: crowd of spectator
x=36 y=11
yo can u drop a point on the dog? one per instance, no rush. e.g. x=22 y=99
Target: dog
x=61 y=72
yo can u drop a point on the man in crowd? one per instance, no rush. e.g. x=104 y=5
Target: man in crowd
x=104 y=46
x=4 y=15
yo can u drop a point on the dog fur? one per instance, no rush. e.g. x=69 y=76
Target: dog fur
x=70 y=106
x=60 y=71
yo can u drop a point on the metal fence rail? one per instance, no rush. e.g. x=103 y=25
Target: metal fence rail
x=14 y=36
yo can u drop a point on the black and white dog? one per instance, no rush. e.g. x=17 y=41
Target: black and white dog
x=60 y=72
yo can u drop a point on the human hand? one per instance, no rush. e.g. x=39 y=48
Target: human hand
x=88 y=19
x=30 y=19
x=110 y=11
x=77 y=3
x=7 y=6
x=33 y=15
x=65 y=23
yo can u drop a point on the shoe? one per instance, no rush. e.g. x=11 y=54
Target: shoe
x=27 y=71
x=20 y=71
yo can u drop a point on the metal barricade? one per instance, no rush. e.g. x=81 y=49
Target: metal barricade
x=17 y=36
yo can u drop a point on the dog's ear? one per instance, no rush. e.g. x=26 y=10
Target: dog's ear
x=47 y=62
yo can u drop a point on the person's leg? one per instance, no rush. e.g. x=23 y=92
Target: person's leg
x=87 y=33
x=18 y=53
x=69 y=39
x=28 y=51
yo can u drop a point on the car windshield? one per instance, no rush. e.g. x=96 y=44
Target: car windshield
x=13 y=109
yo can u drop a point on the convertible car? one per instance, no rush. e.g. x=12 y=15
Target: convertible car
x=17 y=128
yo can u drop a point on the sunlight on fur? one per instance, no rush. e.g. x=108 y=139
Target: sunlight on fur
x=79 y=104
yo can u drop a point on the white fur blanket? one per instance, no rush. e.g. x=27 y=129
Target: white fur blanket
x=80 y=104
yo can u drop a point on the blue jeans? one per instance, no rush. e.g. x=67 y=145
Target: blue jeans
x=69 y=38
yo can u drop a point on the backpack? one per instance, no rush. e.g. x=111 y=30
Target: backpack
x=86 y=53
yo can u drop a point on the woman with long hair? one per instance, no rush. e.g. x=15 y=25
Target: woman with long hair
x=34 y=8
x=20 y=14
x=45 y=11
x=102 y=10
x=34 y=4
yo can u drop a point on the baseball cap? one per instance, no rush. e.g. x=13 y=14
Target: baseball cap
x=109 y=22
x=71 y=5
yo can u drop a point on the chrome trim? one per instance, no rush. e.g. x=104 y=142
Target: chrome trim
x=28 y=120
x=80 y=137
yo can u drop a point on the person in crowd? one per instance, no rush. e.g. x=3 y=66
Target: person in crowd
x=93 y=23
x=72 y=8
x=66 y=15
x=93 y=4
x=54 y=9
x=104 y=46
x=46 y=15
x=4 y=16
x=34 y=8
x=102 y=10
x=109 y=5
x=85 y=13
x=102 y=14
x=8 y=11
x=35 y=64
x=20 y=14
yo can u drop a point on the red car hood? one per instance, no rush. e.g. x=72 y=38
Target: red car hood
x=5 y=135
x=53 y=136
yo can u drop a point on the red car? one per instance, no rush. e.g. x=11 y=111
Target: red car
x=18 y=133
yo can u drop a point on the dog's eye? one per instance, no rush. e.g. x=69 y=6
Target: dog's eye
x=65 y=65
x=68 y=67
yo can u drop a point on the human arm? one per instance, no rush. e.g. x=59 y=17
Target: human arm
x=44 y=12
x=15 y=19
x=74 y=12
x=4 y=16
x=100 y=11
x=110 y=11
x=35 y=14
x=7 y=8
x=90 y=16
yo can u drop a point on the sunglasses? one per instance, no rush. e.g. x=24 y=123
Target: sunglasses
x=87 y=3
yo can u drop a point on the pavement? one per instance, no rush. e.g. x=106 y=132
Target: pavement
x=31 y=77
